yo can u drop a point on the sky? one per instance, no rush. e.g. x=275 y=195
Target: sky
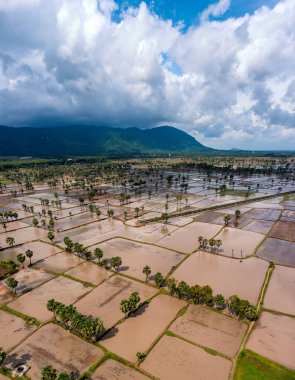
x=223 y=71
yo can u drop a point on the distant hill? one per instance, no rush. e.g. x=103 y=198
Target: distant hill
x=90 y=141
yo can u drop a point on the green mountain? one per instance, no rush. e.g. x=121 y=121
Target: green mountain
x=90 y=141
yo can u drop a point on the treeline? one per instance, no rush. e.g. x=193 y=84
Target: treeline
x=87 y=327
x=203 y=295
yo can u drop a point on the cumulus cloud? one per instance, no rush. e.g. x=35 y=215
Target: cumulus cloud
x=228 y=83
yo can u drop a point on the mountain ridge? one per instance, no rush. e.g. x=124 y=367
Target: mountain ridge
x=83 y=140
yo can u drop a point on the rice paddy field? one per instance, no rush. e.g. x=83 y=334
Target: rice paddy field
x=185 y=269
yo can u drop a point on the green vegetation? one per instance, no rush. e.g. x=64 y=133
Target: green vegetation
x=251 y=366
x=131 y=304
x=50 y=373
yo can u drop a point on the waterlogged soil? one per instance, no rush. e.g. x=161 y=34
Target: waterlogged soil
x=104 y=301
x=259 y=226
x=52 y=344
x=235 y=240
x=24 y=235
x=185 y=239
x=60 y=288
x=142 y=328
x=5 y=294
x=28 y=279
x=278 y=251
x=13 y=330
x=59 y=263
x=288 y=216
x=273 y=337
x=281 y=290
x=265 y=214
x=113 y=370
x=135 y=256
x=212 y=217
x=210 y=329
x=283 y=230
x=40 y=251
x=11 y=226
x=174 y=359
x=225 y=275
x=89 y=272
x=76 y=220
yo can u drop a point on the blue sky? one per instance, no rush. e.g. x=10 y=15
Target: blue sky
x=223 y=71
x=187 y=11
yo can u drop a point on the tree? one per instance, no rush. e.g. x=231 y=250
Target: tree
x=172 y=285
x=29 y=255
x=35 y=222
x=165 y=217
x=140 y=356
x=226 y=219
x=50 y=236
x=124 y=306
x=21 y=258
x=2 y=355
x=238 y=214
x=116 y=262
x=200 y=240
x=65 y=376
x=110 y=213
x=12 y=284
x=159 y=279
x=10 y=241
x=98 y=253
x=219 y=301
x=136 y=212
x=147 y=271
x=48 y=373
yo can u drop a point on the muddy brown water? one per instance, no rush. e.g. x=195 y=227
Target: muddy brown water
x=259 y=226
x=13 y=330
x=104 y=301
x=52 y=344
x=174 y=359
x=59 y=263
x=60 y=288
x=210 y=329
x=185 y=239
x=273 y=337
x=89 y=272
x=280 y=293
x=225 y=275
x=135 y=256
x=23 y=235
x=28 y=279
x=142 y=328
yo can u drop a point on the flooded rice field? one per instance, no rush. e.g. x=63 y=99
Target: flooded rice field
x=273 y=337
x=279 y=251
x=225 y=275
x=59 y=263
x=210 y=329
x=114 y=370
x=89 y=272
x=283 y=230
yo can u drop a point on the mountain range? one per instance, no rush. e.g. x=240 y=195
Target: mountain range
x=81 y=140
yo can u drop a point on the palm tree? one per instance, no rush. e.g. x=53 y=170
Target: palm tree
x=29 y=255
x=159 y=279
x=98 y=253
x=147 y=271
x=200 y=240
x=10 y=241
x=238 y=214
x=2 y=355
x=12 y=284
x=21 y=258
x=50 y=236
x=48 y=373
x=116 y=262
x=226 y=219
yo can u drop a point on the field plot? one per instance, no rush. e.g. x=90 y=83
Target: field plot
x=104 y=301
x=210 y=329
x=76 y=220
x=283 y=230
x=13 y=330
x=23 y=235
x=281 y=290
x=174 y=359
x=226 y=276
x=259 y=226
x=185 y=239
x=288 y=216
x=150 y=233
x=212 y=217
x=278 y=251
x=265 y=214
x=52 y=344
x=112 y=370
x=40 y=251
x=136 y=255
x=142 y=328
x=234 y=241
x=60 y=288
x=89 y=272
x=28 y=279
x=11 y=226
x=59 y=263
x=5 y=294
x=273 y=337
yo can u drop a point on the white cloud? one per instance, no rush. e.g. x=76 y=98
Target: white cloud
x=215 y=9
x=232 y=82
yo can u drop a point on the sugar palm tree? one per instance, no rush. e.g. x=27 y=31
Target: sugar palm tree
x=21 y=258
x=147 y=271
x=29 y=254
